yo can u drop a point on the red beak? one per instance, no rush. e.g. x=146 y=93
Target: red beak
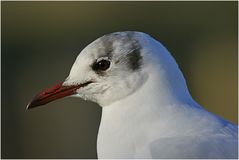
x=56 y=92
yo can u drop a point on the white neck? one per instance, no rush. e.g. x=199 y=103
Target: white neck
x=155 y=110
x=146 y=111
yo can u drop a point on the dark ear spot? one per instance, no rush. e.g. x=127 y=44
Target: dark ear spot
x=134 y=59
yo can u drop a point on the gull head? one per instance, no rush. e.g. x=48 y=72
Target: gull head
x=113 y=67
x=108 y=69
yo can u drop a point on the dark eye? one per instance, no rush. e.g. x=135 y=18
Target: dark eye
x=102 y=65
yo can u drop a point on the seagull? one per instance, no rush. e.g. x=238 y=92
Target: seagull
x=147 y=110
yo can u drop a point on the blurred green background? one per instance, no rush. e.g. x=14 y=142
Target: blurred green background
x=40 y=41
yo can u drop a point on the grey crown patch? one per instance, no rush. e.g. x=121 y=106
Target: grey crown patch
x=133 y=58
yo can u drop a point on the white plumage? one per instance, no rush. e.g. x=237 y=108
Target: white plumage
x=147 y=110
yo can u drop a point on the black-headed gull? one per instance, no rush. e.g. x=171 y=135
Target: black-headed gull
x=147 y=110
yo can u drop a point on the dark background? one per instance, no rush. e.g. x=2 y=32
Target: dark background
x=40 y=41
